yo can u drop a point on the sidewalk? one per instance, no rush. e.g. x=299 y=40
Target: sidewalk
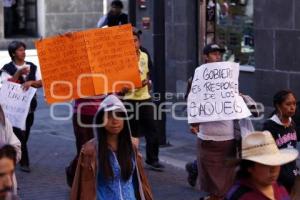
x=52 y=146
x=182 y=147
x=49 y=156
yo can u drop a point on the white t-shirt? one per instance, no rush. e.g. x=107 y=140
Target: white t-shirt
x=5 y=76
x=216 y=131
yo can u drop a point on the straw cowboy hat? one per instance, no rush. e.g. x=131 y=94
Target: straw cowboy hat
x=260 y=147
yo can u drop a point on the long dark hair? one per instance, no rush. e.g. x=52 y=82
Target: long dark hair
x=124 y=152
x=243 y=172
x=280 y=97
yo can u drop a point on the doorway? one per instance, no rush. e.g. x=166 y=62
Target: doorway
x=20 y=18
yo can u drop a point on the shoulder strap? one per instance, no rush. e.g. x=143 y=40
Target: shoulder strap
x=239 y=192
x=9 y=68
x=31 y=75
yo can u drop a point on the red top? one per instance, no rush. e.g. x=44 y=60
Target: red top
x=88 y=106
x=280 y=192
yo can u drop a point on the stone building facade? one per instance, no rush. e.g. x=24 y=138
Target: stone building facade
x=277 y=42
x=276 y=28
x=50 y=17
x=276 y=35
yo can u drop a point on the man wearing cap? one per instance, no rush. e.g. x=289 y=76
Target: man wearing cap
x=211 y=53
x=215 y=143
x=259 y=169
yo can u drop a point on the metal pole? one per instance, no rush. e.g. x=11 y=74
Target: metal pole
x=159 y=61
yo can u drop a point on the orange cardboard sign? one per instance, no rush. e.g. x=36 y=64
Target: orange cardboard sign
x=88 y=63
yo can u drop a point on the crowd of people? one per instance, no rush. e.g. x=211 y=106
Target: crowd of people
x=108 y=163
x=260 y=175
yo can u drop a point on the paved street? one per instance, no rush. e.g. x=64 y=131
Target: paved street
x=50 y=154
x=51 y=147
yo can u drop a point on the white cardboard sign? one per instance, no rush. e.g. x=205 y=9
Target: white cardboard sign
x=16 y=103
x=214 y=94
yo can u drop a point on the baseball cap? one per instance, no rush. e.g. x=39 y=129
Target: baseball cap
x=212 y=48
x=112 y=103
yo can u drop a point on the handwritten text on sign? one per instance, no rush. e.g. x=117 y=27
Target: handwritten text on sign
x=214 y=94
x=16 y=102
x=88 y=63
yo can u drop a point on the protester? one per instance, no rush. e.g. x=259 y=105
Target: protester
x=7 y=136
x=109 y=166
x=150 y=63
x=212 y=53
x=216 y=142
x=260 y=168
x=142 y=110
x=283 y=130
x=25 y=73
x=83 y=115
x=115 y=16
x=7 y=167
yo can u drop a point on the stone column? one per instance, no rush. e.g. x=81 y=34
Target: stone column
x=1 y=21
x=72 y=15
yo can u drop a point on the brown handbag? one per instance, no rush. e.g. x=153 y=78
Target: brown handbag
x=144 y=180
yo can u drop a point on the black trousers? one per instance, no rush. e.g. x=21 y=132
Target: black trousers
x=82 y=134
x=143 y=123
x=23 y=137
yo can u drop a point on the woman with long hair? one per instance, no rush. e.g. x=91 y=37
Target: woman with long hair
x=109 y=166
x=283 y=130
